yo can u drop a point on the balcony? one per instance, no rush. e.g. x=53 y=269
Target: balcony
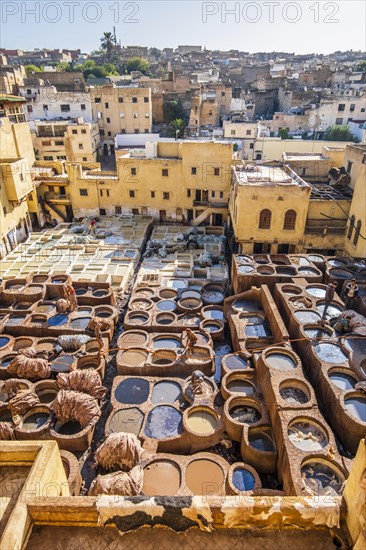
x=200 y=203
x=221 y=204
x=325 y=230
x=57 y=198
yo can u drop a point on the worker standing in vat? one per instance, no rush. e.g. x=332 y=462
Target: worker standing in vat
x=71 y=297
x=191 y=341
x=92 y=226
x=350 y=294
x=329 y=296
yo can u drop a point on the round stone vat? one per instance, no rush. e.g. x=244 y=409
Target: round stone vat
x=137 y=318
x=165 y=318
x=242 y=478
x=58 y=320
x=132 y=338
x=316 y=291
x=71 y=436
x=340 y=274
x=280 y=359
x=166 y=305
x=265 y=270
x=22 y=384
x=200 y=420
x=46 y=391
x=245 y=269
x=59 y=279
x=141 y=304
x=291 y=290
x=189 y=305
x=167 y=294
x=163 y=421
x=261 y=439
x=40 y=279
x=72 y=470
x=92 y=346
x=91 y=362
x=100 y=293
x=125 y=420
x=5 y=342
x=329 y=353
x=104 y=312
x=133 y=357
x=167 y=342
x=34 y=423
x=203 y=473
x=214 y=327
x=5 y=361
x=166 y=392
x=45 y=307
x=163 y=357
x=234 y=362
x=307 y=316
x=245 y=305
x=307 y=435
x=80 y=323
x=295 y=393
x=342 y=379
x=308 y=271
x=320 y=477
x=355 y=405
x=213 y=295
x=315 y=332
x=22 y=342
x=334 y=310
x=336 y=262
x=195 y=294
x=143 y=292
x=243 y=259
x=189 y=320
x=81 y=291
x=162 y=478
x=240 y=411
x=15 y=319
x=286 y=271
x=235 y=383
x=213 y=312
x=132 y=391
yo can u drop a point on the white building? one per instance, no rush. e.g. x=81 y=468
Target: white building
x=46 y=103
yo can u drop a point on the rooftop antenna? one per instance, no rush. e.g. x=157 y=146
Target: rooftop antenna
x=114 y=35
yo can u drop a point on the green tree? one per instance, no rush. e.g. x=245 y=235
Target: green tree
x=29 y=69
x=283 y=133
x=338 y=133
x=361 y=67
x=177 y=128
x=63 y=67
x=107 y=43
x=173 y=109
x=155 y=52
x=137 y=64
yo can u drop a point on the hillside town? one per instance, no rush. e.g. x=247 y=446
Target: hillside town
x=182 y=298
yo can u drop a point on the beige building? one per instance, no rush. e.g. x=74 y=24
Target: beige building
x=355 y=164
x=268 y=208
x=74 y=140
x=121 y=110
x=179 y=181
x=16 y=162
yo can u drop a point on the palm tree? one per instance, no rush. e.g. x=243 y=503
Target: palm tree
x=177 y=128
x=107 y=42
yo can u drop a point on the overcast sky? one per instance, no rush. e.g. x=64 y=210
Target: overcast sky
x=301 y=27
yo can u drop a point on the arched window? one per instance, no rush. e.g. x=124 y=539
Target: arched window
x=265 y=219
x=357 y=232
x=290 y=220
x=350 y=229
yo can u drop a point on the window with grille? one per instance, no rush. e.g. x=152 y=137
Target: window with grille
x=350 y=229
x=290 y=220
x=357 y=232
x=265 y=219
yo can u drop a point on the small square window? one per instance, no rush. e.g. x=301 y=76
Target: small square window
x=189 y=193
x=251 y=146
x=117 y=210
x=83 y=131
x=109 y=133
x=341 y=107
x=232 y=132
x=83 y=192
x=146 y=131
x=339 y=121
x=106 y=105
x=152 y=193
x=249 y=132
x=137 y=131
x=83 y=107
x=101 y=192
x=102 y=212
x=135 y=115
x=45 y=107
x=81 y=146
x=120 y=100
x=65 y=108
x=193 y=170
x=165 y=172
x=213 y=194
x=133 y=171
x=146 y=100
x=29 y=108
x=108 y=120
x=132 y=194
x=74 y=131
x=107 y=191
x=85 y=159
x=134 y=100
x=101 y=133
x=21 y=177
x=135 y=211
x=123 y=131
x=352 y=107
x=221 y=194
x=166 y=196
x=216 y=171
x=97 y=100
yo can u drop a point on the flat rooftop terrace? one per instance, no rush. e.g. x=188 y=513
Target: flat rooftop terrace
x=324 y=191
x=266 y=175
